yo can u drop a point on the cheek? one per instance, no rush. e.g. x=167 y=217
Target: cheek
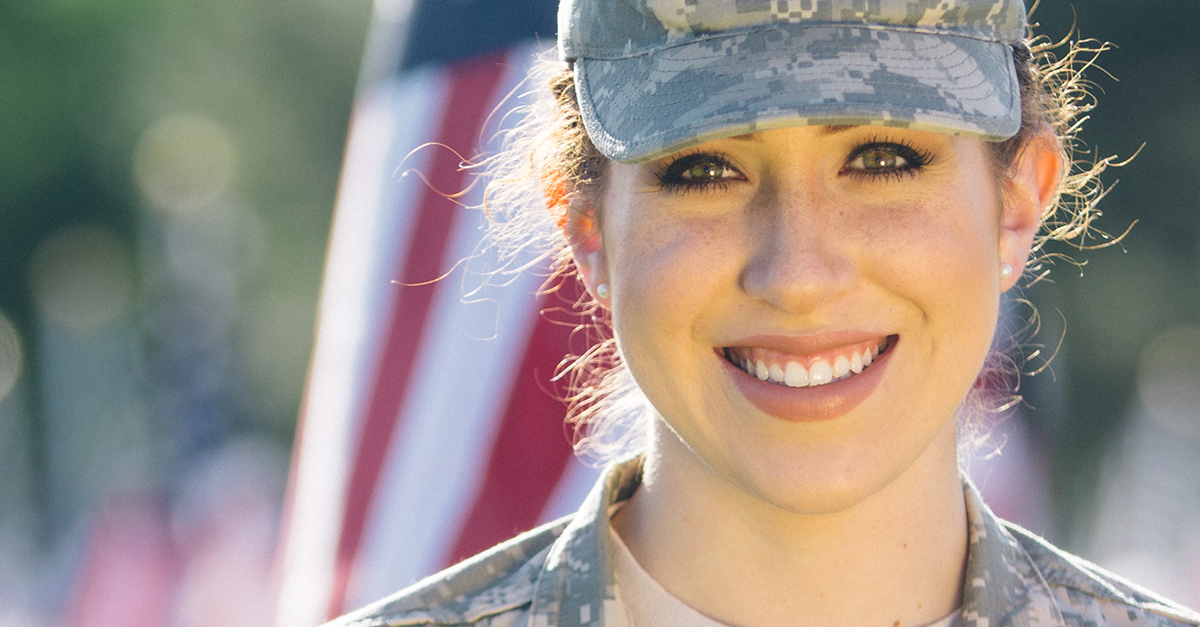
x=671 y=276
x=662 y=271
x=944 y=254
x=945 y=235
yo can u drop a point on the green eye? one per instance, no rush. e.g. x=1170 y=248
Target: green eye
x=882 y=159
x=704 y=171
x=699 y=171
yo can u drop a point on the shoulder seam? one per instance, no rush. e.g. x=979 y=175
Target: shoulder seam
x=1186 y=616
x=1110 y=584
x=432 y=600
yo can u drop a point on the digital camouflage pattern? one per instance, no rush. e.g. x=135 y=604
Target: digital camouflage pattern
x=559 y=576
x=656 y=76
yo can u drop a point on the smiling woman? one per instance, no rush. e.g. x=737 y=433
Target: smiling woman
x=798 y=257
x=798 y=220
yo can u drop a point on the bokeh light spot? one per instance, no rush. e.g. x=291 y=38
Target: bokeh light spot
x=1169 y=380
x=184 y=162
x=82 y=277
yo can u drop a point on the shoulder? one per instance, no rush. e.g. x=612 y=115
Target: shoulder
x=1089 y=595
x=494 y=588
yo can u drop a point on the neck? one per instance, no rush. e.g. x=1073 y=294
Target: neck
x=893 y=558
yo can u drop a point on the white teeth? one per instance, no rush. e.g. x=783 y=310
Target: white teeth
x=820 y=373
x=792 y=374
x=795 y=376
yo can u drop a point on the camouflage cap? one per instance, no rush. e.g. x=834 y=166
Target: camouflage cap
x=656 y=76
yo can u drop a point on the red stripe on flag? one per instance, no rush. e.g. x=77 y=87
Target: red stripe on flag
x=472 y=84
x=530 y=451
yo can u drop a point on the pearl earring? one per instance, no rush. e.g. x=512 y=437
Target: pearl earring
x=602 y=291
x=1005 y=270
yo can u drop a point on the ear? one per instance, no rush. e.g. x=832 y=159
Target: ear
x=583 y=234
x=1032 y=186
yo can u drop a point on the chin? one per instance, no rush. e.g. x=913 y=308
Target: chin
x=812 y=492
x=822 y=478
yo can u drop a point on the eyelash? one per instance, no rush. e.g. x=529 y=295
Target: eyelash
x=915 y=159
x=670 y=176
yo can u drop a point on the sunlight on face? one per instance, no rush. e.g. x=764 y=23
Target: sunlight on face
x=806 y=307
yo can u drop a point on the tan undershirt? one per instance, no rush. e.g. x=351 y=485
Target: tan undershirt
x=647 y=604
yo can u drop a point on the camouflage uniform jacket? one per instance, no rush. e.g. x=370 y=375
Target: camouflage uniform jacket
x=558 y=576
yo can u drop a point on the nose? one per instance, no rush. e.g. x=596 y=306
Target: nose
x=802 y=255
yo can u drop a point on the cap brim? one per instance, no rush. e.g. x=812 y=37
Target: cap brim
x=648 y=106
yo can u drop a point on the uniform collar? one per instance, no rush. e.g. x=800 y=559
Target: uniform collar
x=576 y=587
x=1002 y=585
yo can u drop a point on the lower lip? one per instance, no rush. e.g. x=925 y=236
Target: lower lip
x=809 y=404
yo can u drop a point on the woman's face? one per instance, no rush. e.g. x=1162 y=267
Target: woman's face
x=755 y=279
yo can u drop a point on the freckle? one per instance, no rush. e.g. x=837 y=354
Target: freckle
x=918 y=606
x=896 y=624
x=905 y=545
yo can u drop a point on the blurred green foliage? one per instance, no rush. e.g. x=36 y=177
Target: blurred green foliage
x=81 y=80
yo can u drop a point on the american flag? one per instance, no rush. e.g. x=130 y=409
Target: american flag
x=430 y=428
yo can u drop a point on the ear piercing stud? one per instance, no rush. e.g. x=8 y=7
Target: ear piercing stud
x=602 y=289
x=1005 y=270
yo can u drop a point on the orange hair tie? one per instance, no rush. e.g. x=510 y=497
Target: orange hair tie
x=556 y=190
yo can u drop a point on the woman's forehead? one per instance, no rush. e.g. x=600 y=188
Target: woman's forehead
x=819 y=131
x=824 y=129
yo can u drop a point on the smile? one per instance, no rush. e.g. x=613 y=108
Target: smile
x=799 y=371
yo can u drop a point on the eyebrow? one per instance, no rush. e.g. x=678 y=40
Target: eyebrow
x=834 y=129
x=747 y=137
x=826 y=129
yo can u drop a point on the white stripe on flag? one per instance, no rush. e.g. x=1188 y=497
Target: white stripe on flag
x=419 y=95
x=366 y=238
x=465 y=369
x=568 y=495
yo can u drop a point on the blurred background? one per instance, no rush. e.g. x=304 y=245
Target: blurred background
x=167 y=179
x=167 y=174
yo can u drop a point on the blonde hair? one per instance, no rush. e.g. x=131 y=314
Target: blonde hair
x=548 y=166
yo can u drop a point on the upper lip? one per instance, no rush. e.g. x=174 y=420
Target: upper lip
x=808 y=343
